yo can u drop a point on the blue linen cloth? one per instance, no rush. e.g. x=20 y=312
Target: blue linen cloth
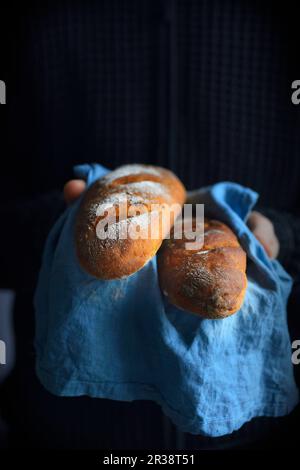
x=122 y=340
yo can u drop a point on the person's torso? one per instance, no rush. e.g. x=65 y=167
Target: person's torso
x=201 y=87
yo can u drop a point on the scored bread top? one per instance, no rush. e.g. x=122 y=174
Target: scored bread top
x=133 y=187
x=209 y=281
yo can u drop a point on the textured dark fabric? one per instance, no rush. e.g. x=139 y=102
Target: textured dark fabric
x=203 y=87
x=200 y=86
x=27 y=224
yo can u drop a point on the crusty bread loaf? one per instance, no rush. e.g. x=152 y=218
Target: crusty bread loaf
x=129 y=187
x=210 y=282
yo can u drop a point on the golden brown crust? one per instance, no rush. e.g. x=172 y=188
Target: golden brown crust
x=142 y=186
x=210 y=282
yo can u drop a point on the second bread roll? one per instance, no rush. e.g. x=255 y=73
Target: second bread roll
x=210 y=281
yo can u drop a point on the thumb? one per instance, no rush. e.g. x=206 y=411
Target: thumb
x=73 y=189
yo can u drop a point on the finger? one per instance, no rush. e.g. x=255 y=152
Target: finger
x=73 y=189
x=274 y=247
x=271 y=245
x=254 y=220
x=264 y=244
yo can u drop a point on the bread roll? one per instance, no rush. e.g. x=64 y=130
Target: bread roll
x=125 y=198
x=210 y=281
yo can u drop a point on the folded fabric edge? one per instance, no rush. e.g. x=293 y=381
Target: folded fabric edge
x=90 y=171
x=139 y=391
